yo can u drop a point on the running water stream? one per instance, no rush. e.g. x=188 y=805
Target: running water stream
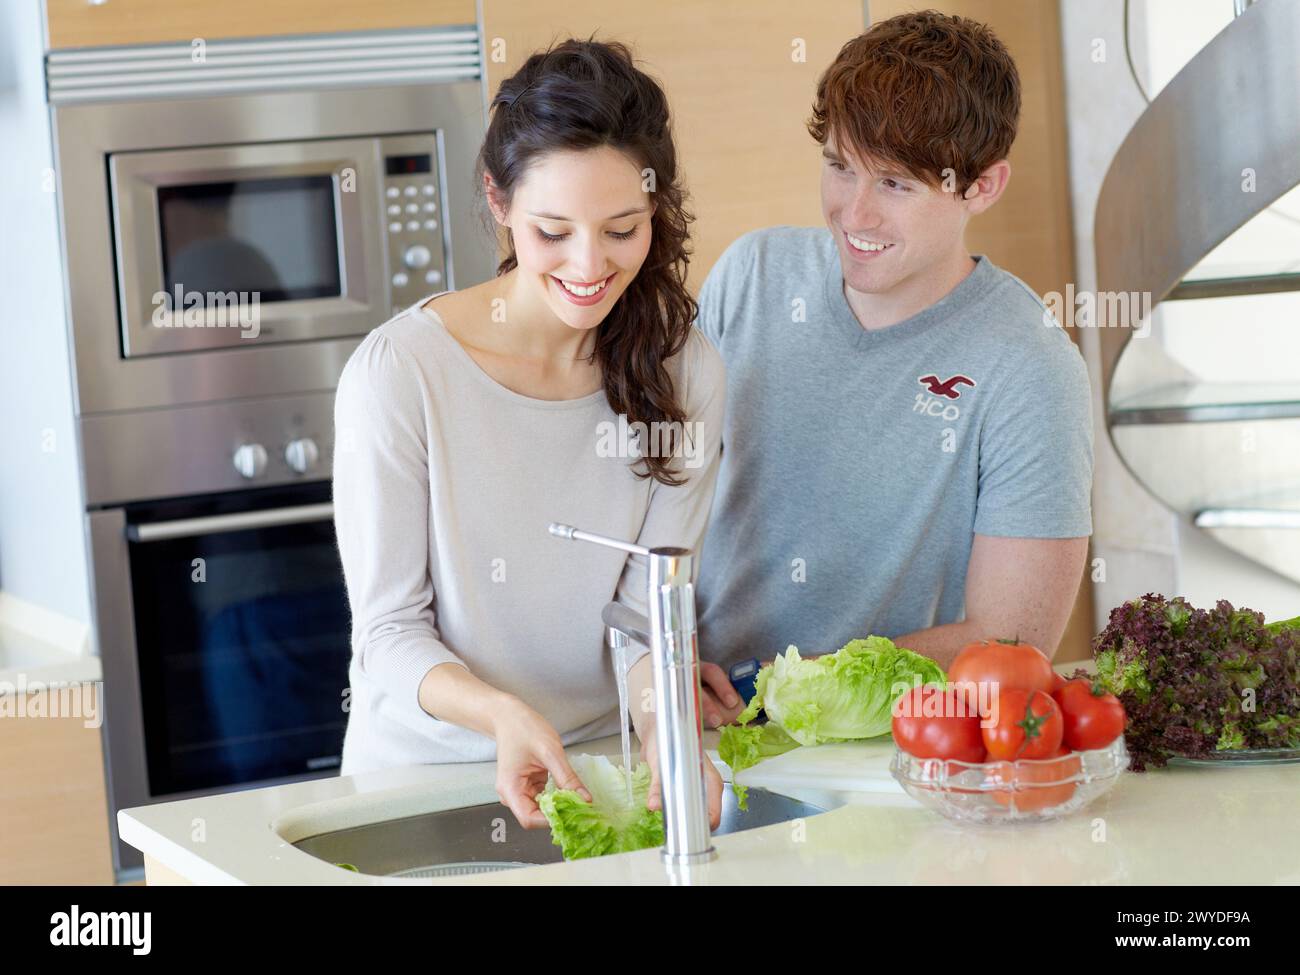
x=624 y=712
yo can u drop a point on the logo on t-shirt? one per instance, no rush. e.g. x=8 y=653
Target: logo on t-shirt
x=934 y=405
x=946 y=388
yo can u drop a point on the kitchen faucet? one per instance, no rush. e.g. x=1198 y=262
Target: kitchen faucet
x=669 y=633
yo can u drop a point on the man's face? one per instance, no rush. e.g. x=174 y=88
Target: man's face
x=891 y=228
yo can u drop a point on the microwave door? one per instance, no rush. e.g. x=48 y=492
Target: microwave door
x=239 y=245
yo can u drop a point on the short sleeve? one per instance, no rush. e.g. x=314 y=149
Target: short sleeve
x=1036 y=450
x=678 y=515
x=717 y=294
x=381 y=519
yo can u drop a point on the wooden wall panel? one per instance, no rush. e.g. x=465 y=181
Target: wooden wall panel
x=76 y=23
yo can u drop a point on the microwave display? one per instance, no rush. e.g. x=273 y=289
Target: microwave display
x=274 y=237
x=408 y=165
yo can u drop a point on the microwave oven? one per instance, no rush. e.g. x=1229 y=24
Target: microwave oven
x=281 y=241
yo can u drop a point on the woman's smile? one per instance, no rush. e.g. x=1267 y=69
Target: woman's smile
x=583 y=293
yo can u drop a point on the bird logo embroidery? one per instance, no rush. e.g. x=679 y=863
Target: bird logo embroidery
x=946 y=388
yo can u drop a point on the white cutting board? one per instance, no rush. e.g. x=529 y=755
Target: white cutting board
x=851 y=766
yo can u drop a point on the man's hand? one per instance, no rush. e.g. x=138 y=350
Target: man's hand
x=719 y=701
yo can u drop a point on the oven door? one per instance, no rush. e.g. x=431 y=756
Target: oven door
x=277 y=242
x=226 y=642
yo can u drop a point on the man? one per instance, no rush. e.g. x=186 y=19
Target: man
x=908 y=444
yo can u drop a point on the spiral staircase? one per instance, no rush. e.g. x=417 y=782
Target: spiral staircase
x=1214 y=152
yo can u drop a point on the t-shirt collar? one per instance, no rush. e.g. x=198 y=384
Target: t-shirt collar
x=946 y=310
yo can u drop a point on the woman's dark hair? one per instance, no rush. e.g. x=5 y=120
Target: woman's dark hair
x=585 y=95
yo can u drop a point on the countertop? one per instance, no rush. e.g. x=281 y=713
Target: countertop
x=1173 y=826
x=41 y=649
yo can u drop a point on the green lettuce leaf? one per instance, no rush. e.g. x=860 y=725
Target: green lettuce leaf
x=745 y=745
x=607 y=824
x=843 y=696
x=1279 y=625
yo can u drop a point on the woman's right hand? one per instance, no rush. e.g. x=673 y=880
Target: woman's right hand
x=529 y=751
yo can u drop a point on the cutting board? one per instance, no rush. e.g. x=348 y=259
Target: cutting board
x=851 y=766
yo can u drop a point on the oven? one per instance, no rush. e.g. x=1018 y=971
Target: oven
x=221 y=615
x=233 y=640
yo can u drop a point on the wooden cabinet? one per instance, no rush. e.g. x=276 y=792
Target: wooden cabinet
x=53 y=809
x=81 y=23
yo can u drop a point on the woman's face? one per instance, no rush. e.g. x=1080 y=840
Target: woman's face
x=581 y=226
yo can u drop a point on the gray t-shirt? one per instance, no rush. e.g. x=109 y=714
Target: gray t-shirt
x=857 y=464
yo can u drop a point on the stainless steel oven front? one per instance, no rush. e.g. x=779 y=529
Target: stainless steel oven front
x=220 y=607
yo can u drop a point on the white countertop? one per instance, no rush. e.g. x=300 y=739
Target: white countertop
x=40 y=649
x=1173 y=826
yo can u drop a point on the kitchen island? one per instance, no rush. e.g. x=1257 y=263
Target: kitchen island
x=1179 y=825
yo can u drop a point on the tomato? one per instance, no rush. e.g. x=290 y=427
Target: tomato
x=999 y=664
x=926 y=725
x=1029 y=725
x=1035 y=785
x=1093 y=719
x=1057 y=683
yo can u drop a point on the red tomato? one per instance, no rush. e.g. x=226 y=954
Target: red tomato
x=1093 y=719
x=1057 y=683
x=1028 y=725
x=999 y=664
x=1035 y=785
x=926 y=725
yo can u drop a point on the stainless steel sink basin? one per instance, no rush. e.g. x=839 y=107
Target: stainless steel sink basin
x=477 y=839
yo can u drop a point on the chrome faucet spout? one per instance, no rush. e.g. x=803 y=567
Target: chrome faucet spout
x=669 y=632
x=630 y=623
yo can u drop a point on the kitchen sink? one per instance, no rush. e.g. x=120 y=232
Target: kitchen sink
x=478 y=839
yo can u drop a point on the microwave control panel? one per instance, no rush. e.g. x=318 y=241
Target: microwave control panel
x=413 y=218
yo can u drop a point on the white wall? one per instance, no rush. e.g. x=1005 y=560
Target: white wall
x=43 y=554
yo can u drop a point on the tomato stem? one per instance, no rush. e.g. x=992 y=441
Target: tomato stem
x=1032 y=724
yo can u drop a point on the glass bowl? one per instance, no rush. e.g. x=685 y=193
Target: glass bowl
x=1027 y=790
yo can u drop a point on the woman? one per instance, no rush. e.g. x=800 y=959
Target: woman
x=469 y=422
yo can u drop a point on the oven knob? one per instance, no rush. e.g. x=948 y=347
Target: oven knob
x=250 y=460
x=301 y=455
x=416 y=256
